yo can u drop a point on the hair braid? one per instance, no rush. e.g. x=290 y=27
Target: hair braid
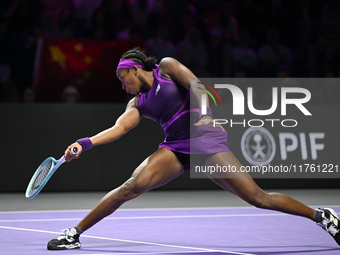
x=137 y=55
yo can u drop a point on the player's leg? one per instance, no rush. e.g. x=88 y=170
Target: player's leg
x=242 y=185
x=158 y=169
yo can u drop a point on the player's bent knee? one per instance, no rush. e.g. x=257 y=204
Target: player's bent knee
x=132 y=188
x=260 y=200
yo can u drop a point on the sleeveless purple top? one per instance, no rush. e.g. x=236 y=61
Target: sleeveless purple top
x=168 y=104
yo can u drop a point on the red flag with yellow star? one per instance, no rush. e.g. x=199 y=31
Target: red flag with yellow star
x=90 y=65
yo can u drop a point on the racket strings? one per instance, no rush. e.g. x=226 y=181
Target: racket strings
x=44 y=170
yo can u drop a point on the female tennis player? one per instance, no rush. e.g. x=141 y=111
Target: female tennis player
x=162 y=94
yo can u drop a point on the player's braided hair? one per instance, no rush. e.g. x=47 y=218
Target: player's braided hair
x=137 y=55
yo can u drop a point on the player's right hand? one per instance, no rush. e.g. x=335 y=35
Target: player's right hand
x=68 y=153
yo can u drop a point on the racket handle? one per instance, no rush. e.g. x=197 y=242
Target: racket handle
x=74 y=150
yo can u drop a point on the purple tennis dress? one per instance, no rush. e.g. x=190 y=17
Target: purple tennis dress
x=168 y=104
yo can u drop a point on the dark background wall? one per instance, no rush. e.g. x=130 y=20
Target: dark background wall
x=29 y=133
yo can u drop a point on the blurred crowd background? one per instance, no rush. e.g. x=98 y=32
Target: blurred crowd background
x=214 y=38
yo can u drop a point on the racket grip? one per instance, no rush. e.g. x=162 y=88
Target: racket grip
x=74 y=150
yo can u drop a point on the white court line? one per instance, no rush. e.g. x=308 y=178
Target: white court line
x=142 y=253
x=140 y=209
x=131 y=241
x=156 y=209
x=156 y=217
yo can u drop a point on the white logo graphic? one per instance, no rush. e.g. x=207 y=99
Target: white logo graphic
x=158 y=88
x=258 y=146
x=238 y=100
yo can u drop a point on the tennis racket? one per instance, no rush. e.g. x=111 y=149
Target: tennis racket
x=44 y=173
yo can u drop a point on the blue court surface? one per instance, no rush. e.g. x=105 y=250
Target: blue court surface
x=233 y=230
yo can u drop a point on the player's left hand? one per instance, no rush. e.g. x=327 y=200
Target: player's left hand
x=208 y=122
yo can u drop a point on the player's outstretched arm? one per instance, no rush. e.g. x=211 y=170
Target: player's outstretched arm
x=128 y=120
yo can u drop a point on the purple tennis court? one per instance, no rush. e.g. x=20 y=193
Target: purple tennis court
x=234 y=230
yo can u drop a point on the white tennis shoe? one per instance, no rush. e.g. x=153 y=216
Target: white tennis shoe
x=330 y=222
x=69 y=239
